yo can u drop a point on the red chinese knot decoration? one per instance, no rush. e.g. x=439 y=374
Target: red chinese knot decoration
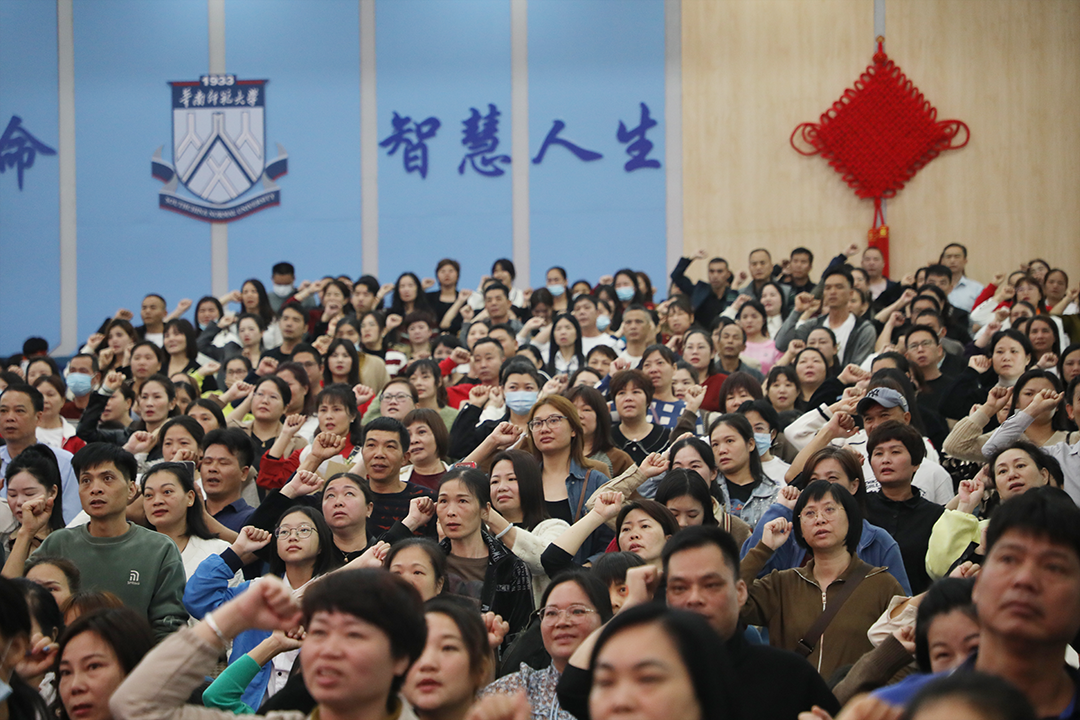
x=878 y=135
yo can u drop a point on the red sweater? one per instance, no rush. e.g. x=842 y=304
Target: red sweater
x=455 y=394
x=275 y=472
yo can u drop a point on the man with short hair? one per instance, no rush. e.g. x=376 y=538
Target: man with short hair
x=141 y=567
x=855 y=337
x=153 y=312
x=640 y=332
x=83 y=378
x=383 y=443
x=962 y=290
x=873 y=264
x=896 y=450
x=701 y=570
x=729 y=348
x=292 y=321
x=283 y=284
x=761 y=269
x=498 y=307
x=954 y=362
x=226 y=459
x=799 y=266
x=497 y=310
x=940 y=277
x=708 y=299
x=21 y=408
x=504 y=335
x=586 y=311
x=486 y=358
x=1027 y=598
x=307 y=356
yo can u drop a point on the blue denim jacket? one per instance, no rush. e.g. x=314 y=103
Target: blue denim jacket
x=588 y=481
x=760 y=500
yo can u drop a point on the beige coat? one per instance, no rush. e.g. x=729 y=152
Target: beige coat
x=159 y=686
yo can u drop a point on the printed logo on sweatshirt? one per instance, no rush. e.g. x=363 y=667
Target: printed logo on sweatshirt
x=133 y=577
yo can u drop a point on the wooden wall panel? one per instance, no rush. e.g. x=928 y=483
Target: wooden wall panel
x=754 y=69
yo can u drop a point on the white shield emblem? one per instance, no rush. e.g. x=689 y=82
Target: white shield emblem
x=219 y=150
x=219 y=137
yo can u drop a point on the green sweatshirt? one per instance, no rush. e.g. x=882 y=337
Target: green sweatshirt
x=141 y=567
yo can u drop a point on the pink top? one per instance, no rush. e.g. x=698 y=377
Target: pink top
x=764 y=353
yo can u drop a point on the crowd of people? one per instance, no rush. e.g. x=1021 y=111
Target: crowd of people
x=777 y=493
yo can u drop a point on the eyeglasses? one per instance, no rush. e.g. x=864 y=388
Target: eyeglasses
x=552 y=421
x=304 y=531
x=396 y=396
x=828 y=512
x=925 y=344
x=574 y=613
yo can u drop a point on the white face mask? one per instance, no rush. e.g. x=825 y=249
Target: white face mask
x=283 y=291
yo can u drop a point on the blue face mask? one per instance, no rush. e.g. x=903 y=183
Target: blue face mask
x=624 y=293
x=763 y=442
x=520 y=402
x=80 y=384
x=556 y=290
x=603 y=322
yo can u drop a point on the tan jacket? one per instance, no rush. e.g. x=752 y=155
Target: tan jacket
x=789 y=601
x=159 y=686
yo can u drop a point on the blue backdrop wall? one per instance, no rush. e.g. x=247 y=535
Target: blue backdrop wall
x=591 y=65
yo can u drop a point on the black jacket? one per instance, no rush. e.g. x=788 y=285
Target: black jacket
x=507 y=587
x=774 y=684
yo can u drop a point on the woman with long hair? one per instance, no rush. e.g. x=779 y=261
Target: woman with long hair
x=595 y=418
x=334 y=299
x=1011 y=471
x=173 y=506
x=747 y=491
x=456 y=662
x=301 y=550
x=760 y=347
x=564 y=355
x=180 y=344
x=518 y=515
x=695 y=456
x=335 y=408
x=557 y=443
x=426 y=378
x=32 y=482
x=54 y=429
x=344 y=364
x=346 y=503
x=120 y=338
x=267 y=403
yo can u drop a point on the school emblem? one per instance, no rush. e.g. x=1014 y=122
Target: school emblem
x=219 y=151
